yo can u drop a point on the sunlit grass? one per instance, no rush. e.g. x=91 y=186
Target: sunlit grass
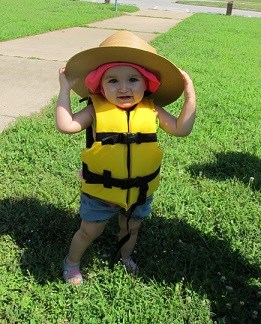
x=29 y=17
x=199 y=252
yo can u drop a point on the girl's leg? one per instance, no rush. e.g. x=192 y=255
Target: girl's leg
x=83 y=238
x=134 y=226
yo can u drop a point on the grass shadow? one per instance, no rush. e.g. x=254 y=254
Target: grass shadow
x=208 y=265
x=176 y=250
x=228 y=165
x=42 y=232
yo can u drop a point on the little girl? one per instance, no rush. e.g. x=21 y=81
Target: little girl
x=128 y=83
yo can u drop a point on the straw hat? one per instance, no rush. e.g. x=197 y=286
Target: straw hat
x=124 y=46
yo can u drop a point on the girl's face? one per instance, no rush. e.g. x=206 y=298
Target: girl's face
x=123 y=86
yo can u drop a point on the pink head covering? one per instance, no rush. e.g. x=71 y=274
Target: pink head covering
x=93 y=79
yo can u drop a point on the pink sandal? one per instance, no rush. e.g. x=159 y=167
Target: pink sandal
x=71 y=272
x=130 y=265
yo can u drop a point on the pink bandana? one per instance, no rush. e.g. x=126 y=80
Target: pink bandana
x=93 y=79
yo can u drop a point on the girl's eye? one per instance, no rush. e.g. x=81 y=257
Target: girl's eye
x=133 y=80
x=112 y=81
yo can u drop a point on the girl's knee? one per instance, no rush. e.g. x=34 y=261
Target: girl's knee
x=134 y=225
x=92 y=229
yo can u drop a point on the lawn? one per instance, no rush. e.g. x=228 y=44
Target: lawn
x=37 y=16
x=199 y=252
x=254 y=5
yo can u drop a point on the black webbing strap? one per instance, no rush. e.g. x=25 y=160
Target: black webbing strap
x=108 y=181
x=89 y=137
x=89 y=134
x=88 y=99
x=127 y=213
x=125 y=138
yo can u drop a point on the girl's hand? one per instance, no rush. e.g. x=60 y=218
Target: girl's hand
x=189 y=91
x=65 y=84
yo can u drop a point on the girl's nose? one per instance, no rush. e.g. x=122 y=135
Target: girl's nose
x=123 y=86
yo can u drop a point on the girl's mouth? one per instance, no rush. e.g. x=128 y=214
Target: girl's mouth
x=124 y=97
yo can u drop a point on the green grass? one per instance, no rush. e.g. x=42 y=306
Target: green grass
x=29 y=17
x=199 y=252
x=254 y=5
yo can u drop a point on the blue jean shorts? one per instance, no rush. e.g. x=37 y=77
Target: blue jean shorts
x=96 y=210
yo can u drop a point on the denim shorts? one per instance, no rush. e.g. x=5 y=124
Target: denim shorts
x=96 y=210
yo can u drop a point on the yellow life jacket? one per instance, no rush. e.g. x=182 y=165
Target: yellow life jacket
x=122 y=166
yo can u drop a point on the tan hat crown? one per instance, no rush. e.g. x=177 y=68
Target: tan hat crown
x=127 y=39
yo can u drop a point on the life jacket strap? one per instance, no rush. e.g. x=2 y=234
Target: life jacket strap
x=127 y=213
x=109 y=182
x=125 y=138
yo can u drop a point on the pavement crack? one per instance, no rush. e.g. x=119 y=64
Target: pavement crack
x=30 y=58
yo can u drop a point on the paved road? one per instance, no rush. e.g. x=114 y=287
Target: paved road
x=172 y=5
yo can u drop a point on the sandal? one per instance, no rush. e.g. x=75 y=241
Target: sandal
x=130 y=265
x=72 y=272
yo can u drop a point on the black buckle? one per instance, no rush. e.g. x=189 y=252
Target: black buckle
x=128 y=138
x=107 y=181
x=125 y=183
x=130 y=183
x=121 y=138
x=109 y=140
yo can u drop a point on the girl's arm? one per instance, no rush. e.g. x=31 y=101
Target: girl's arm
x=66 y=121
x=183 y=124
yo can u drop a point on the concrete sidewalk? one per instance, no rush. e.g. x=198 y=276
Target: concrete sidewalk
x=29 y=66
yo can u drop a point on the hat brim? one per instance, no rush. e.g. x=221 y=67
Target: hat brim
x=172 y=84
